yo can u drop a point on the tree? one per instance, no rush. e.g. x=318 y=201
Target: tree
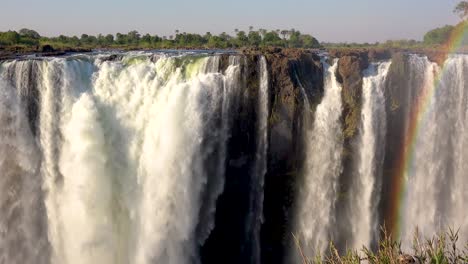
x=438 y=35
x=294 y=39
x=9 y=38
x=307 y=41
x=133 y=36
x=121 y=38
x=242 y=39
x=462 y=9
x=109 y=39
x=217 y=42
x=254 y=38
x=24 y=32
x=271 y=39
x=75 y=41
x=224 y=36
x=207 y=36
x=146 y=39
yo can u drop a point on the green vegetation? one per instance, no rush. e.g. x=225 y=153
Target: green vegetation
x=27 y=38
x=462 y=9
x=438 y=35
x=441 y=249
x=436 y=38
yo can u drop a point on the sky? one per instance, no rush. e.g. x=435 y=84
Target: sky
x=327 y=20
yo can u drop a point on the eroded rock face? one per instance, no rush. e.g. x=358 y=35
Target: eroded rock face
x=349 y=74
x=294 y=76
x=399 y=97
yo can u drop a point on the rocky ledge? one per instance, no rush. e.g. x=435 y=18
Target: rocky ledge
x=39 y=51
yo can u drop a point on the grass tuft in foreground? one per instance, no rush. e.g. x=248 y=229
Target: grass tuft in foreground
x=441 y=249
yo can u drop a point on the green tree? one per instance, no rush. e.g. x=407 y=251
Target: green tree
x=133 y=37
x=109 y=39
x=294 y=39
x=74 y=41
x=254 y=38
x=462 y=9
x=121 y=38
x=10 y=38
x=307 y=41
x=24 y=32
x=155 y=39
x=438 y=35
x=217 y=42
x=242 y=39
x=146 y=39
x=271 y=39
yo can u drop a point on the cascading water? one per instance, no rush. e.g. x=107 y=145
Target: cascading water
x=255 y=220
x=121 y=159
x=322 y=169
x=365 y=188
x=23 y=231
x=436 y=180
x=124 y=147
x=215 y=184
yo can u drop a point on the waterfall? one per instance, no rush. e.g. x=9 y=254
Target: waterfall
x=436 y=194
x=365 y=188
x=430 y=153
x=121 y=158
x=255 y=220
x=127 y=149
x=215 y=185
x=23 y=237
x=322 y=169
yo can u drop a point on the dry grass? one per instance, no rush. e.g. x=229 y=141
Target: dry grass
x=441 y=249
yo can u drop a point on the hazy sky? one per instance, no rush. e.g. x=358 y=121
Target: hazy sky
x=328 y=20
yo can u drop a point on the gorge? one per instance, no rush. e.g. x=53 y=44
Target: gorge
x=207 y=157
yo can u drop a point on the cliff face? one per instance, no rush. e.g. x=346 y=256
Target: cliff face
x=294 y=76
x=296 y=79
x=291 y=73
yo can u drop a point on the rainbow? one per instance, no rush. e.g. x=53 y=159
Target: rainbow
x=403 y=166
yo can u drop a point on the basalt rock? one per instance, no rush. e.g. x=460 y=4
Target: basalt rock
x=294 y=77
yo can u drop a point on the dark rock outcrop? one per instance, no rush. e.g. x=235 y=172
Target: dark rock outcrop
x=399 y=97
x=293 y=76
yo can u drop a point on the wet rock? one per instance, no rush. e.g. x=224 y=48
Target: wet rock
x=349 y=74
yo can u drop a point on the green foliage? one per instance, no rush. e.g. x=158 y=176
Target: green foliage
x=441 y=249
x=10 y=38
x=134 y=40
x=254 y=38
x=308 y=41
x=272 y=39
x=438 y=35
x=462 y=9
x=242 y=39
x=29 y=33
